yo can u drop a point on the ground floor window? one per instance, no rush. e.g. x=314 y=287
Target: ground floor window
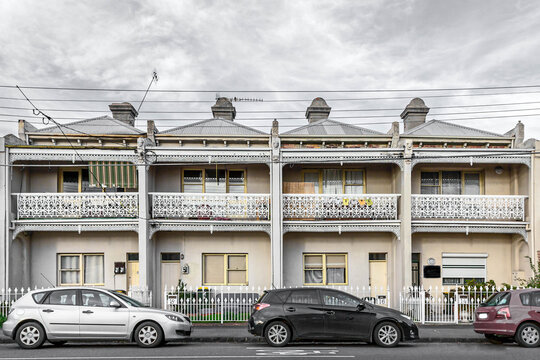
x=325 y=269
x=81 y=269
x=225 y=269
x=458 y=268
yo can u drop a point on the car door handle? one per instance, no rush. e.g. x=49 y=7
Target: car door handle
x=87 y=312
x=290 y=309
x=330 y=312
x=48 y=310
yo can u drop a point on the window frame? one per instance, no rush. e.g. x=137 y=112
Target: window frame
x=61 y=178
x=203 y=183
x=462 y=176
x=225 y=269
x=325 y=268
x=343 y=178
x=81 y=269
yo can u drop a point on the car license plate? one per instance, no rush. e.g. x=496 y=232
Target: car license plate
x=482 y=316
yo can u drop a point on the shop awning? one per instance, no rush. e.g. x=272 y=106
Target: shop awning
x=112 y=174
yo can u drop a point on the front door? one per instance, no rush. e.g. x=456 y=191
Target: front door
x=99 y=319
x=378 y=274
x=343 y=318
x=132 y=270
x=170 y=270
x=305 y=312
x=60 y=314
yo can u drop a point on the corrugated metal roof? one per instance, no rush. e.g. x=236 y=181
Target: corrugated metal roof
x=101 y=125
x=214 y=127
x=438 y=128
x=331 y=127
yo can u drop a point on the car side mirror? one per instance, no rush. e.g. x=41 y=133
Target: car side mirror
x=360 y=307
x=115 y=304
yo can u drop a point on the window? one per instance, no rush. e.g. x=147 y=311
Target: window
x=502 y=298
x=174 y=257
x=335 y=181
x=71 y=266
x=451 y=182
x=62 y=297
x=305 y=296
x=458 y=268
x=225 y=269
x=325 y=269
x=78 y=180
x=332 y=298
x=535 y=299
x=39 y=296
x=213 y=181
x=96 y=298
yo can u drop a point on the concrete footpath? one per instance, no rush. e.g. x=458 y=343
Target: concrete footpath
x=237 y=333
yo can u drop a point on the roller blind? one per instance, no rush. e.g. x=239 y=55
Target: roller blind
x=464 y=265
x=112 y=174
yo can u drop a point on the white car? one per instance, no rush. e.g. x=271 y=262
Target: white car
x=79 y=313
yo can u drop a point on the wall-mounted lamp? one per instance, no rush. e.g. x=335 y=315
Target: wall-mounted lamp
x=499 y=170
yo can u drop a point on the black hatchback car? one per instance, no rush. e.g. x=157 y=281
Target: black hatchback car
x=284 y=315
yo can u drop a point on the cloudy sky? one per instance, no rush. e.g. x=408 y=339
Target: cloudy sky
x=227 y=46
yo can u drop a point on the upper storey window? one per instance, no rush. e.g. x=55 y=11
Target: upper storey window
x=335 y=181
x=213 y=181
x=451 y=182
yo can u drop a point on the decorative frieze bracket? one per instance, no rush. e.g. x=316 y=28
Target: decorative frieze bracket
x=208 y=226
x=343 y=226
x=471 y=228
x=79 y=227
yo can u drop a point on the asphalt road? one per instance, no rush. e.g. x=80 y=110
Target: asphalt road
x=411 y=351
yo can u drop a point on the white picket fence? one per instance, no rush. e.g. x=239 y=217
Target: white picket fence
x=9 y=296
x=234 y=303
x=444 y=305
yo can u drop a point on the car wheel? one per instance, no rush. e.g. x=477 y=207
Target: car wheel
x=30 y=335
x=148 y=334
x=277 y=334
x=58 y=342
x=387 y=334
x=528 y=335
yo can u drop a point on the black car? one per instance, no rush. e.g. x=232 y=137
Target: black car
x=284 y=315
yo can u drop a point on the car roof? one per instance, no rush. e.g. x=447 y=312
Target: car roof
x=69 y=288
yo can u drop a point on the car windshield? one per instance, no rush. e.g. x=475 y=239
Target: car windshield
x=129 y=300
x=501 y=298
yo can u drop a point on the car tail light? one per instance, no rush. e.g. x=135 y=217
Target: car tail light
x=504 y=313
x=260 y=306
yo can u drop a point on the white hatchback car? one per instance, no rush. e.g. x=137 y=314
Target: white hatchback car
x=79 y=313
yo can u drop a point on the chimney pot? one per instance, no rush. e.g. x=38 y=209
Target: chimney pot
x=224 y=109
x=414 y=114
x=318 y=110
x=124 y=112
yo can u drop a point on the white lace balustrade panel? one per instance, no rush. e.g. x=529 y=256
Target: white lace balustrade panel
x=469 y=207
x=211 y=206
x=77 y=205
x=340 y=206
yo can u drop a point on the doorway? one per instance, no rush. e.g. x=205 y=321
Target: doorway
x=132 y=269
x=378 y=274
x=170 y=270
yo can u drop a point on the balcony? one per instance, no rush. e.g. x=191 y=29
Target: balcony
x=340 y=206
x=76 y=205
x=210 y=206
x=469 y=207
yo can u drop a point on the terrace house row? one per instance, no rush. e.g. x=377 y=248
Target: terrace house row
x=219 y=203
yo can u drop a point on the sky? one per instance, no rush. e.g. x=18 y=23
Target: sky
x=232 y=48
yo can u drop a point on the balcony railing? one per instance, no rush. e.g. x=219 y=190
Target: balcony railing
x=211 y=206
x=76 y=205
x=340 y=206
x=469 y=207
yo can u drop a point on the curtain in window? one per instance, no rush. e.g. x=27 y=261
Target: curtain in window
x=193 y=181
x=332 y=181
x=214 y=269
x=311 y=180
x=215 y=184
x=354 y=182
x=472 y=183
x=335 y=269
x=71 y=264
x=93 y=269
x=429 y=183
x=313 y=269
x=451 y=182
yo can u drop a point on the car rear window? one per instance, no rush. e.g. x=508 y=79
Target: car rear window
x=38 y=297
x=502 y=298
x=308 y=297
x=530 y=298
x=273 y=297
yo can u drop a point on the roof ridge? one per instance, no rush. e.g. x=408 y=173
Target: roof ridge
x=209 y=120
x=446 y=123
x=320 y=122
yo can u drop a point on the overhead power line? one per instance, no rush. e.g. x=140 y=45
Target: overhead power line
x=274 y=91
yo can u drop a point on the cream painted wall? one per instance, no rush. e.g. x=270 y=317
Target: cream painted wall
x=43 y=180
x=44 y=247
x=379 y=178
x=356 y=245
x=194 y=244
x=168 y=179
x=497 y=246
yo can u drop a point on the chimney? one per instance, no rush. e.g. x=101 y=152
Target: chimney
x=318 y=110
x=124 y=112
x=224 y=109
x=414 y=114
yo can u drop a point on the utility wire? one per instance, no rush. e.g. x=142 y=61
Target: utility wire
x=154 y=79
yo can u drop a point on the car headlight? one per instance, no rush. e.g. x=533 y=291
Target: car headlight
x=406 y=317
x=174 y=318
x=12 y=309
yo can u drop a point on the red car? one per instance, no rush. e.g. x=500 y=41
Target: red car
x=512 y=315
